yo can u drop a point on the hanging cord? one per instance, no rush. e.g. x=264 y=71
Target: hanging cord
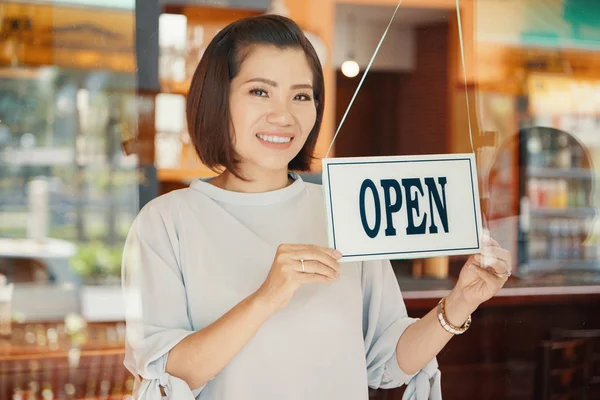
x=363 y=78
x=462 y=57
x=464 y=70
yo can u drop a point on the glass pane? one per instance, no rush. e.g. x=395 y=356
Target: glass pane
x=68 y=196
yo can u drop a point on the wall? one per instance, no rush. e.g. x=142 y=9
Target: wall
x=400 y=113
x=423 y=117
x=539 y=22
x=396 y=52
x=370 y=128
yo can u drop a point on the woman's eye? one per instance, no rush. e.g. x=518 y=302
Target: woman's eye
x=303 y=97
x=259 y=92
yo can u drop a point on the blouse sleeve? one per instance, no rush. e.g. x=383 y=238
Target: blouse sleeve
x=384 y=320
x=155 y=306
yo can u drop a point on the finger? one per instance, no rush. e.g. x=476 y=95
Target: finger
x=489 y=277
x=315 y=267
x=497 y=252
x=493 y=263
x=333 y=253
x=498 y=258
x=314 y=254
x=313 y=278
x=497 y=272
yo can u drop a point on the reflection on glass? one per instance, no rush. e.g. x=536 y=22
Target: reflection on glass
x=68 y=192
x=67 y=180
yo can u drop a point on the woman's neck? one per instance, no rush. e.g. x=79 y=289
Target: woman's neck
x=266 y=182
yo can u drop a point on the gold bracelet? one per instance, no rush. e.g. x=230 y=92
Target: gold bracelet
x=441 y=313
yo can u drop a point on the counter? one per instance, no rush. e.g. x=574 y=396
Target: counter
x=496 y=359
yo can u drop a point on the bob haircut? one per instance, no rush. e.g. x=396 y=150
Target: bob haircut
x=207 y=108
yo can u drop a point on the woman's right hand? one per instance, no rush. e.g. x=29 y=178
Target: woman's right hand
x=286 y=274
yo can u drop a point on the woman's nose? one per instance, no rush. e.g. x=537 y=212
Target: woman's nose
x=280 y=116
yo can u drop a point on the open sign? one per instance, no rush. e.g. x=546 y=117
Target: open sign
x=402 y=207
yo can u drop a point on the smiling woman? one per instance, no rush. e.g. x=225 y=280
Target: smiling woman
x=266 y=96
x=232 y=291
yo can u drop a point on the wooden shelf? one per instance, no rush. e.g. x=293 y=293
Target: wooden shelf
x=563 y=265
x=569 y=173
x=573 y=212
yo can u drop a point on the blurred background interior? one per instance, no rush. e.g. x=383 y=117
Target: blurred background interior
x=92 y=127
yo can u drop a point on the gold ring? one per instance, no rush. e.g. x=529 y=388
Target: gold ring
x=504 y=274
x=302 y=261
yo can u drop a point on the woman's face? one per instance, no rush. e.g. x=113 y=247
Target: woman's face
x=272 y=108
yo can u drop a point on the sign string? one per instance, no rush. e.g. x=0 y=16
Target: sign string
x=363 y=77
x=462 y=54
x=464 y=70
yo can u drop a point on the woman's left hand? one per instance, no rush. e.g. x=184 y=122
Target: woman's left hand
x=483 y=275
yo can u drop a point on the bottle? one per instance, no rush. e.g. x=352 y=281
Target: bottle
x=534 y=195
x=576 y=232
x=563 y=155
x=534 y=148
x=533 y=250
x=562 y=198
x=555 y=241
x=6 y=294
x=567 y=240
x=553 y=195
x=523 y=231
x=545 y=239
x=572 y=193
x=576 y=156
x=545 y=157
x=542 y=193
x=582 y=194
x=552 y=151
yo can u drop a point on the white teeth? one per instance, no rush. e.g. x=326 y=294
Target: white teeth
x=274 y=139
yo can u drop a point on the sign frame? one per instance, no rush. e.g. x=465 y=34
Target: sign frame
x=329 y=163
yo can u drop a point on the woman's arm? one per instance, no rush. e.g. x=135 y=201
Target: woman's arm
x=423 y=340
x=203 y=354
x=480 y=279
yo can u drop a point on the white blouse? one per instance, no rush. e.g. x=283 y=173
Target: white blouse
x=193 y=254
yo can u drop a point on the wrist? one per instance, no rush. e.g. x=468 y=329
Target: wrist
x=261 y=305
x=458 y=308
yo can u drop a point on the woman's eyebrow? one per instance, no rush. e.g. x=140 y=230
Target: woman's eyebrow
x=274 y=84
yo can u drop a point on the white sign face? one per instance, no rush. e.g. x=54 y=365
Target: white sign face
x=402 y=207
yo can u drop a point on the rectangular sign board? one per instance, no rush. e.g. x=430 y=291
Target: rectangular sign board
x=402 y=207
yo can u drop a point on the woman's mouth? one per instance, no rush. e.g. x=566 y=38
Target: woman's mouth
x=278 y=141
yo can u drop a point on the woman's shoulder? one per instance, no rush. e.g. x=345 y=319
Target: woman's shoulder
x=167 y=206
x=166 y=200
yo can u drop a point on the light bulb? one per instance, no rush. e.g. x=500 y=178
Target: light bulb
x=350 y=68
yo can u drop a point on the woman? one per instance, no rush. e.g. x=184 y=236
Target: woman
x=230 y=289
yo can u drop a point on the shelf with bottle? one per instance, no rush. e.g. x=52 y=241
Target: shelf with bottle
x=70 y=359
x=585 y=213
x=555 y=173
x=558 y=194
x=542 y=265
x=549 y=151
x=561 y=240
x=55 y=340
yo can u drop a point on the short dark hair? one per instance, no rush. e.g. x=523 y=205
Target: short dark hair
x=207 y=109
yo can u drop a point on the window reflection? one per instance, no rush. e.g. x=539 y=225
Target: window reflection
x=82 y=148
x=70 y=191
x=551 y=173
